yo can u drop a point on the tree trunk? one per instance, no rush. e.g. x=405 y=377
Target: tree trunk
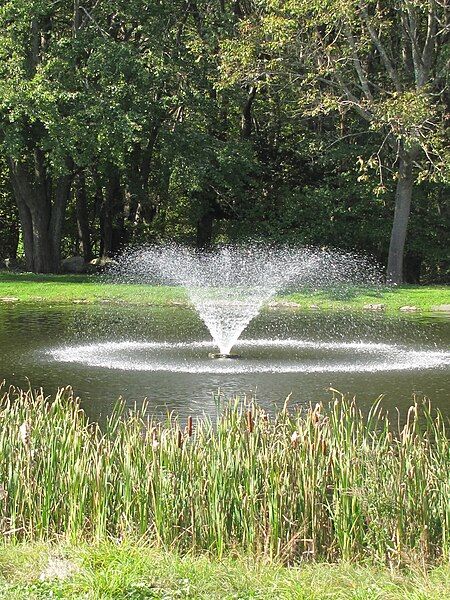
x=138 y=189
x=403 y=197
x=41 y=221
x=111 y=215
x=58 y=212
x=246 y=119
x=84 y=231
x=27 y=229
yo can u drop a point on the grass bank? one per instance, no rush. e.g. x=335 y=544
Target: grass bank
x=28 y=287
x=326 y=484
x=135 y=572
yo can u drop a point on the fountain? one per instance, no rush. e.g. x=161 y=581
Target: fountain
x=229 y=285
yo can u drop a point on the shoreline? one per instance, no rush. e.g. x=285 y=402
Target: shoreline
x=82 y=289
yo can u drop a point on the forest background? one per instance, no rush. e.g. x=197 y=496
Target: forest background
x=317 y=122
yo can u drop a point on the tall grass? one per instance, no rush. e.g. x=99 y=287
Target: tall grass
x=323 y=483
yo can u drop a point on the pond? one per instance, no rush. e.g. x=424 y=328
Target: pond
x=104 y=351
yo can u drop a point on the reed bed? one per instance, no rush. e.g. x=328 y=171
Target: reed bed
x=323 y=483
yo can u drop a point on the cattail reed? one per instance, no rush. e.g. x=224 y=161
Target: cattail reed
x=189 y=427
x=250 y=422
x=179 y=438
x=327 y=483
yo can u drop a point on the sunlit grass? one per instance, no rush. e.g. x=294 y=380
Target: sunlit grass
x=28 y=287
x=68 y=288
x=323 y=484
x=130 y=569
x=392 y=298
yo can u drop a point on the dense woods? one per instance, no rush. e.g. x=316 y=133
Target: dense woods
x=321 y=122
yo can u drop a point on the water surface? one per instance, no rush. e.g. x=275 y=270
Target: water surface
x=162 y=354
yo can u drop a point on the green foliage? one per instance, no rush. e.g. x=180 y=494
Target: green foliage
x=155 y=93
x=315 y=484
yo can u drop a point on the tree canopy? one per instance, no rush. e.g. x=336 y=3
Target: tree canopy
x=317 y=122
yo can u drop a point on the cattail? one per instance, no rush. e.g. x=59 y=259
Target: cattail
x=250 y=423
x=294 y=439
x=179 y=438
x=24 y=433
x=315 y=415
x=189 y=427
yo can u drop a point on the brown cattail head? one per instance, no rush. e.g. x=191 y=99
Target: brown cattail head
x=316 y=415
x=189 y=426
x=179 y=438
x=294 y=439
x=250 y=423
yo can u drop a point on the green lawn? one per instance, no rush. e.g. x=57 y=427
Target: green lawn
x=68 y=288
x=423 y=297
x=90 y=288
x=132 y=571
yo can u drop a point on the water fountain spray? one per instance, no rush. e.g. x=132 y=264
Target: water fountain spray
x=229 y=285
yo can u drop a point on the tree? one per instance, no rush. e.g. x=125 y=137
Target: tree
x=33 y=109
x=387 y=61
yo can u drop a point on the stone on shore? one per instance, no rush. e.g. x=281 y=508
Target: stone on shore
x=374 y=306
x=73 y=264
x=441 y=308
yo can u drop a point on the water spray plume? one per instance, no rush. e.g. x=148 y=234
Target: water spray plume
x=229 y=285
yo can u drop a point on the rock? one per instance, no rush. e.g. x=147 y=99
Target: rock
x=408 y=308
x=441 y=308
x=283 y=304
x=73 y=264
x=374 y=306
x=314 y=306
x=9 y=299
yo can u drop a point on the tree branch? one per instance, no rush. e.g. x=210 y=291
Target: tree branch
x=356 y=61
x=381 y=49
x=430 y=41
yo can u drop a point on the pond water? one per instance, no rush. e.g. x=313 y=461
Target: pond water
x=104 y=351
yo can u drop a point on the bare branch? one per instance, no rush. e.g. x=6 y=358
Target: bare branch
x=430 y=41
x=357 y=63
x=381 y=49
x=91 y=18
x=411 y=24
x=353 y=100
